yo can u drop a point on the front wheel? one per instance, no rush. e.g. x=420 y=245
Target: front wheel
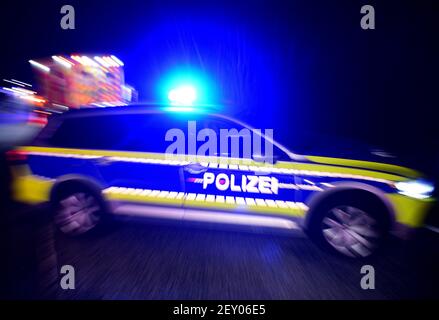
x=77 y=210
x=353 y=228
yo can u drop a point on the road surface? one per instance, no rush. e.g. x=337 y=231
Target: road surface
x=144 y=260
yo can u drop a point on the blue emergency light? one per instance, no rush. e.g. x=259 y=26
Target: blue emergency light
x=182 y=96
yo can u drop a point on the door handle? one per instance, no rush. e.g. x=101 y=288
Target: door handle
x=195 y=168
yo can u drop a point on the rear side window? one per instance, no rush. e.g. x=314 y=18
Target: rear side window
x=92 y=132
x=125 y=132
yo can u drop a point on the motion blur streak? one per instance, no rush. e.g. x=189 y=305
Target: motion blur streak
x=304 y=68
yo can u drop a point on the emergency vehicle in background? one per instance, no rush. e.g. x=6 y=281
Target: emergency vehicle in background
x=67 y=82
x=78 y=81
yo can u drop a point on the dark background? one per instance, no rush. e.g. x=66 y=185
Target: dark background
x=295 y=66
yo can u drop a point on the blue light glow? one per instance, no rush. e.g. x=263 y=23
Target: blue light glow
x=185 y=87
x=179 y=109
x=232 y=67
x=182 y=96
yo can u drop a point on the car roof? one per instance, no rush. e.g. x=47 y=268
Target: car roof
x=150 y=108
x=140 y=108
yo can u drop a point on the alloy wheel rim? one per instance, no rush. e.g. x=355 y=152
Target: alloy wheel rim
x=77 y=213
x=351 y=231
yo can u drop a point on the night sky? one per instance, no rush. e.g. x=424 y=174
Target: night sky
x=295 y=66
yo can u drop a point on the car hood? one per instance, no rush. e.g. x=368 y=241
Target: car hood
x=384 y=167
x=353 y=154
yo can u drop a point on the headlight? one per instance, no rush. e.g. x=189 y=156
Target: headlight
x=419 y=189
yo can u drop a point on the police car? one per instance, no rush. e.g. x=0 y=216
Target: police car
x=96 y=163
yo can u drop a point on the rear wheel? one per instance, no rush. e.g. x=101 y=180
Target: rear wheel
x=355 y=226
x=77 y=210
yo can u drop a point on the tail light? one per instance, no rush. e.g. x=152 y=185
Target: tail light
x=16 y=156
x=39 y=120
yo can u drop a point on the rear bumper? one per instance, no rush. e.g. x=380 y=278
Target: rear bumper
x=27 y=188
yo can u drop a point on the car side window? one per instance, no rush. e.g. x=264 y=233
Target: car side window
x=241 y=142
x=124 y=132
x=232 y=140
x=91 y=132
x=147 y=132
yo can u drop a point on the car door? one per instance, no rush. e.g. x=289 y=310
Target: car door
x=129 y=152
x=239 y=181
x=63 y=150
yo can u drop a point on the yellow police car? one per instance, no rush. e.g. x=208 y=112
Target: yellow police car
x=95 y=163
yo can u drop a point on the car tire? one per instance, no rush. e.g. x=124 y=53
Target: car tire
x=78 y=209
x=353 y=225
